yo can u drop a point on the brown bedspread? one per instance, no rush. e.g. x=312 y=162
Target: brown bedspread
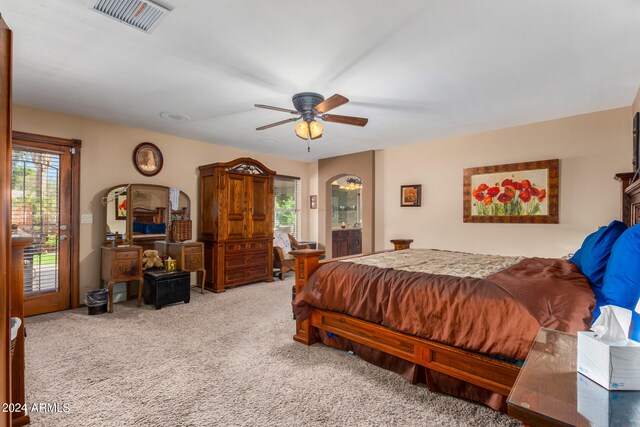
x=499 y=315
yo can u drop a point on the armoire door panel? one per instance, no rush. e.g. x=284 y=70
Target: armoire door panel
x=237 y=207
x=258 y=211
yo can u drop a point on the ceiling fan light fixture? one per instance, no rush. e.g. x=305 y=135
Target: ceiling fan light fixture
x=316 y=129
x=302 y=130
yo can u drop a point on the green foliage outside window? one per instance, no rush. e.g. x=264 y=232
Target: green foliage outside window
x=285 y=210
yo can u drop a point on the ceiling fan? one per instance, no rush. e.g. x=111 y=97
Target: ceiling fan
x=310 y=106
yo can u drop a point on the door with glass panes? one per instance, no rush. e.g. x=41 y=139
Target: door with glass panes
x=41 y=206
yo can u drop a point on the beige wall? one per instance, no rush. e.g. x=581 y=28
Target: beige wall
x=106 y=162
x=361 y=165
x=313 y=190
x=592 y=148
x=635 y=107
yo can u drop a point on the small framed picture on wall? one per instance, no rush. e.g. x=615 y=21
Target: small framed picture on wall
x=410 y=195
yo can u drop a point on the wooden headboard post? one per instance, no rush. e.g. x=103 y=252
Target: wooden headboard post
x=625 y=209
x=632 y=206
x=307 y=262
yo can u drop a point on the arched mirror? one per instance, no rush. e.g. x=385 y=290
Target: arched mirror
x=141 y=214
x=346 y=216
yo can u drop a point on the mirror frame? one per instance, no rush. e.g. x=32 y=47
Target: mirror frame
x=129 y=225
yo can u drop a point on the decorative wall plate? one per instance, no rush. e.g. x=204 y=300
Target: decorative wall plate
x=147 y=158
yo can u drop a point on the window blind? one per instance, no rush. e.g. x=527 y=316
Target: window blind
x=35 y=210
x=287 y=217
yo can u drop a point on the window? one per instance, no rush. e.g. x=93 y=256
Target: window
x=287 y=205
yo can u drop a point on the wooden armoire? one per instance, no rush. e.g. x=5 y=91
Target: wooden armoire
x=236 y=222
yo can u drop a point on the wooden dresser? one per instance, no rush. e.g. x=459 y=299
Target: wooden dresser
x=122 y=264
x=236 y=223
x=189 y=256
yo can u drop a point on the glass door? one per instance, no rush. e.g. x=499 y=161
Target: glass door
x=41 y=206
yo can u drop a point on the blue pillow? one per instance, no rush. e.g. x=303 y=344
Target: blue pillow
x=594 y=253
x=599 y=303
x=622 y=279
x=634 y=330
x=577 y=257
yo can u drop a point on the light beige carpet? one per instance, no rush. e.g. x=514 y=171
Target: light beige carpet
x=223 y=359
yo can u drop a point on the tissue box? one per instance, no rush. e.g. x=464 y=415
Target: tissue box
x=613 y=366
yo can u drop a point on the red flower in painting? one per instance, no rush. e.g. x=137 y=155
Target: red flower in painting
x=510 y=191
x=534 y=191
x=542 y=195
x=493 y=191
x=517 y=186
x=478 y=194
x=525 y=195
x=526 y=183
x=504 y=198
x=482 y=187
x=488 y=200
x=507 y=182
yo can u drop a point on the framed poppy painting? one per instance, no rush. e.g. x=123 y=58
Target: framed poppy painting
x=514 y=193
x=121 y=206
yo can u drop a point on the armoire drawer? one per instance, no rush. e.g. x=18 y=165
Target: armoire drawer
x=245 y=275
x=245 y=247
x=235 y=277
x=245 y=260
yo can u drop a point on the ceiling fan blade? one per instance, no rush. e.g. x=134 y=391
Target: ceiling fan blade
x=270 y=107
x=281 y=122
x=347 y=120
x=331 y=103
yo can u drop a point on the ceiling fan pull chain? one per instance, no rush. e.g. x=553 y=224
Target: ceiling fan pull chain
x=308 y=141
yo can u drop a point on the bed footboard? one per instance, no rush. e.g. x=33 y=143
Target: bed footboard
x=307 y=262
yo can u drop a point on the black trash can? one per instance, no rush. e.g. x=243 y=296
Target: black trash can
x=97 y=301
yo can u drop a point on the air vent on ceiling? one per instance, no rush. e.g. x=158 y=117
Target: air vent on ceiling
x=143 y=15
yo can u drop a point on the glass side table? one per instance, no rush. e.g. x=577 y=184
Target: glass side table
x=550 y=392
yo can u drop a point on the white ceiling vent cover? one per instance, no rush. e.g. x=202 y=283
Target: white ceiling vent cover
x=143 y=15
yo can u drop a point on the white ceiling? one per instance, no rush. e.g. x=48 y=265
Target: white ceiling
x=419 y=70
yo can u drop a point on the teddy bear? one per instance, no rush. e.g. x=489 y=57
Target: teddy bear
x=151 y=259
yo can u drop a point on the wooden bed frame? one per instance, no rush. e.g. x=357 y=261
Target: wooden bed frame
x=474 y=368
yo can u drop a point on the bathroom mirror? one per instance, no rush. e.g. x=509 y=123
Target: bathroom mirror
x=346 y=211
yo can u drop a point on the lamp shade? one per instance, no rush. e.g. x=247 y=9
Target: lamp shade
x=316 y=129
x=302 y=130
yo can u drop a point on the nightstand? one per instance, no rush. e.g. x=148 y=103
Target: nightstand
x=122 y=264
x=189 y=257
x=400 y=244
x=550 y=392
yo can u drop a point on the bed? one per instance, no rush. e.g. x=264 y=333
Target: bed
x=338 y=303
